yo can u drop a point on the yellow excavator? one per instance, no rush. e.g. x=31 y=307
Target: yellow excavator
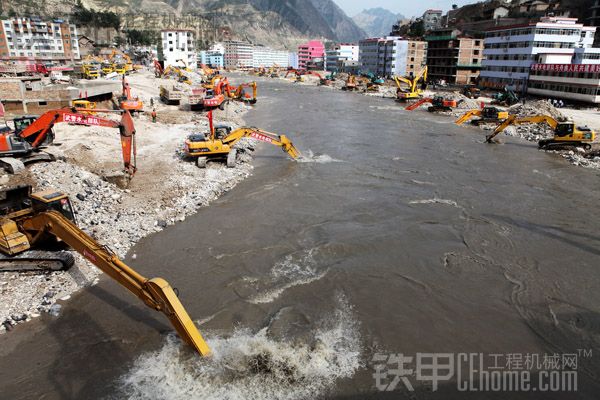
x=414 y=91
x=31 y=220
x=487 y=115
x=566 y=133
x=219 y=143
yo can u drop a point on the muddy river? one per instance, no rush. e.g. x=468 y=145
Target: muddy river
x=403 y=258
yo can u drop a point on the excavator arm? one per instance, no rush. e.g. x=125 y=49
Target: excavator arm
x=38 y=131
x=155 y=293
x=269 y=137
x=467 y=116
x=417 y=104
x=513 y=120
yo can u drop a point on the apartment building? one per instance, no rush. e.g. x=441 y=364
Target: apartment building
x=337 y=57
x=453 y=57
x=238 y=54
x=36 y=40
x=510 y=52
x=311 y=53
x=178 y=45
x=263 y=56
x=432 y=19
x=392 y=55
x=575 y=82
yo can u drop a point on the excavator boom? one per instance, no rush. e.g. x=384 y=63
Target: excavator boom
x=268 y=137
x=39 y=130
x=513 y=120
x=155 y=293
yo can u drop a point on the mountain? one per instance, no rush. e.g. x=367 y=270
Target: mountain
x=344 y=28
x=376 y=22
x=277 y=23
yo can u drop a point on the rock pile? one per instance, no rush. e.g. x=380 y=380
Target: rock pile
x=117 y=218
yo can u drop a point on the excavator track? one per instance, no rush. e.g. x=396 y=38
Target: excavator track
x=550 y=144
x=37 y=260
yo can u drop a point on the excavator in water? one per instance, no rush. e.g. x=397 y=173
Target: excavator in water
x=414 y=90
x=219 y=142
x=566 y=133
x=437 y=104
x=47 y=218
x=487 y=115
x=32 y=133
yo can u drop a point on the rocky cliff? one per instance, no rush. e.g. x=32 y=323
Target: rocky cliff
x=270 y=22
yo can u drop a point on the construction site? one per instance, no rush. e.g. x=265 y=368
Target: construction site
x=115 y=171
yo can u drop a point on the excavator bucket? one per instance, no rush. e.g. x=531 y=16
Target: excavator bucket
x=289 y=147
x=170 y=305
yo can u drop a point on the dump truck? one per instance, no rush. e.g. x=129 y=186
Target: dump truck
x=171 y=96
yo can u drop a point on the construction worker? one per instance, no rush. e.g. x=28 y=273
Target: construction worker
x=153 y=115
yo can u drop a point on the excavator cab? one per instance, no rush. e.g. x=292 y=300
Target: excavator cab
x=51 y=200
x=565 y=129
x=23 y=122
x=222 y=131
x=490 y=112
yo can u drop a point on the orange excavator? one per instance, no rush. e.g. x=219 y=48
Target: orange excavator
x=215 y=97
x=158 y=69
x=127 y=101
x=437 y=104
x=297 y=72
x=241 y=93
x=32 y=133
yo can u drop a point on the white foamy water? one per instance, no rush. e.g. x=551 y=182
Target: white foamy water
x=435 y=201
x=310 y=157
x=250 y=365
x=296 y=269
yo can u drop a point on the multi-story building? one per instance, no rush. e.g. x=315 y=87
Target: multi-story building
x=213 y=57
x=312 y=52
x=293 y=60
x=267 y=57
x=392 y=55
x=453 y=57
x=432 y=19
x=511 y=51
x=339 y=55
x=178 y=45
x=37 y=40
x=238 y=54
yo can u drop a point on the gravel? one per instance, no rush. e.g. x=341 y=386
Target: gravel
x=119 y=217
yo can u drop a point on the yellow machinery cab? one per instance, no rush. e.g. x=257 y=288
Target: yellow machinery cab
x=85 y=104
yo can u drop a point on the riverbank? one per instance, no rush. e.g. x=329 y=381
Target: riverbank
x=530 y=132
x=166 y=189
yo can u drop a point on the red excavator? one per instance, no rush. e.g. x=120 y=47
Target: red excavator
x=128 y=102
x=33 y=133
x=215 y=97
x=437 y=104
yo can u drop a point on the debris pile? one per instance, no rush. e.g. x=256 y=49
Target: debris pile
x=536 y=108
x=166 y=189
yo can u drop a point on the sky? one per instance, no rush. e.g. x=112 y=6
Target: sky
x=408 y=8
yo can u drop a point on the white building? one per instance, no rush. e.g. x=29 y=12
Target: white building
x=238 y=54
x=267 y=57
x=37 y=40
x=293 y=60
x=342 y=52
x=511 y=51
x=432 y=19
x=178 y=44
x=391 y=56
